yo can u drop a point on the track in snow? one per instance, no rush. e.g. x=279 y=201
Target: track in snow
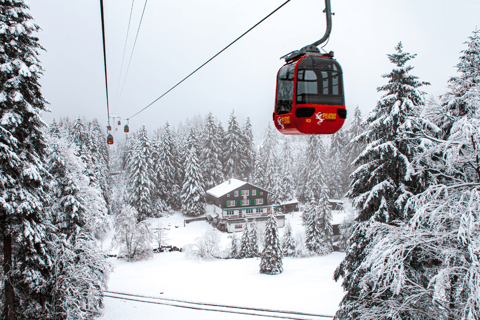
x=271 y=313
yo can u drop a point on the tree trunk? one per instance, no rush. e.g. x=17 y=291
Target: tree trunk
x=9 y=307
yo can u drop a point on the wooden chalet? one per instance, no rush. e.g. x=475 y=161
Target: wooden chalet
x=237 y=203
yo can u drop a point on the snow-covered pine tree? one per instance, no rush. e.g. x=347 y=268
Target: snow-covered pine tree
x=318 y=230
x=267 y=162
x=233 y=149
x=276 y=191
x=384 y=179
x=248 y=151
x=312 y=173
x=325 y=219
x=79 y=271
x=66 y=169
x=159 y=204
x=352 y=148
x=253 y=241
x=100 y=160
x=244 y=244
x=355 y=147
x=221 y=136
x=193 y=192
x=437 y=249
x=141 y=185
x=336 y=165
x=288 y=242
x=287 y=169
x=211 y=151
x=271 y=258
x=23 y=218
x=167 y=165
x=234 y=247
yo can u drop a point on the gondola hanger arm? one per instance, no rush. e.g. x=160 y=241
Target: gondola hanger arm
x=313 y=47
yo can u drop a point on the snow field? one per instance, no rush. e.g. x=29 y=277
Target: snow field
x=306 y=284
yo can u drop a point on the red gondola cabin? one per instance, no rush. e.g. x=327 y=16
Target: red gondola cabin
x=310 y=98
x=109 y=139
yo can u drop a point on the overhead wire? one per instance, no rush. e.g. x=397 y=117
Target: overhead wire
x=150 y=104
x=134 y=44
x=105 y=58
x=124 y=50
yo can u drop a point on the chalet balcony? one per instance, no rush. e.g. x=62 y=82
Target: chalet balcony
x=252 y=217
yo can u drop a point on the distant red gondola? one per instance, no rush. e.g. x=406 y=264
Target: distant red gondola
x=109 y=128
x=126 y=129
x=109 y=139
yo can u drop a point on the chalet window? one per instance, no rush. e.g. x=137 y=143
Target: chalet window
x=261 y=193
x=259 y=210
x=254 y=192
x=229 y=213
x=245 y=202
x=259 y=201
x=231 y=203
x=238 y=226
x=236 y=193
x=245 y=192
x=249 y=210
x=240 y=211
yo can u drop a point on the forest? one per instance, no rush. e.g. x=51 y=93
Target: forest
x=411 y=169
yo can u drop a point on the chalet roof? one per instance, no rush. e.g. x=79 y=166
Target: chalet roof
x=227 y=186
x=289 y=202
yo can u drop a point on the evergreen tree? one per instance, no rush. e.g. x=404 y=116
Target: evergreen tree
x=221 y=136
x=234 y=249
x=253 y=241
x=244 y=244
x=267 y=163
x=193 y=193
x=353 y=148
x=233 y=149
x=167 y=167
x=436 y=249
x=318 y=231
x=288 y=243
x=336 y=165
x=271 y=258
x=80 y=270
x=313 y=170
x=211 y=151
x=248 y=151
x=140 y=180
x=384 y=180
x=287 y=181
x=23 y=219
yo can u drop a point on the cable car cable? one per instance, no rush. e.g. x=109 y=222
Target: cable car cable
x=210 y=59
x=124 y=50
x=131 y=55
x=105 y=58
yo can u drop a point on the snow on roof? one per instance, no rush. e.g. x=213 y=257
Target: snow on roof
x=340 y=217
x=226 y=187
x=289 y=202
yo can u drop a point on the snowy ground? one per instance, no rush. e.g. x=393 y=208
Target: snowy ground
x=306 y=284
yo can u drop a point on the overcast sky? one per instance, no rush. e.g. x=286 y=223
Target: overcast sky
x=177 y=36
